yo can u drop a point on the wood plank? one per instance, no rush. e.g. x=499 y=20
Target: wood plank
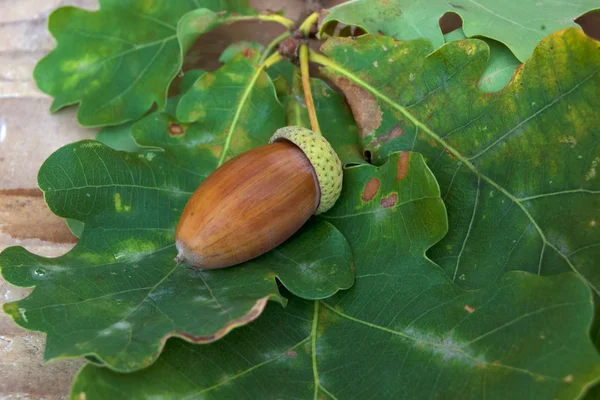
x=25 y=215
x=26 y=220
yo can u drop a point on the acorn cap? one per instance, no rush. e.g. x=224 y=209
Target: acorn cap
x=323 y=158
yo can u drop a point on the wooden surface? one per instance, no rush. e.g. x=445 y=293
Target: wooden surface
x=28 y=135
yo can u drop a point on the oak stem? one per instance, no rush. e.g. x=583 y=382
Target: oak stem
x=270 y=61
x=280 y=19
x=310 y=104
x=308 y=23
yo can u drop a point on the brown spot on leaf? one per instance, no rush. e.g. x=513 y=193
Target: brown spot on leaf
x=568 y=379
x=364 y=106
x=469 y=309
x=449 y=154
x=402 y=166
x=393 y=133
x=371 y=189
x=291 y=353
x=248 y=53
x=432 y=142
x=390 y=201
x=176 y=129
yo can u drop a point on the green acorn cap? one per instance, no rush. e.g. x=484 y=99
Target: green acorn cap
x=323 y=158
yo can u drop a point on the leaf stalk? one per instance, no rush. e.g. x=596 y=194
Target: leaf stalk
x=310 y=104
x=308 y=23
x=280 y=19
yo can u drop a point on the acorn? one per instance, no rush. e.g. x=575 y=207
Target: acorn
x=258 y=199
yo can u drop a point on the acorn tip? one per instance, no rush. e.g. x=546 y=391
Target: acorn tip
x=179 y=258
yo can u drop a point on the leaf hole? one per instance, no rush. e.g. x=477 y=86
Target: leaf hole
x=450 y=21
x=590 y=23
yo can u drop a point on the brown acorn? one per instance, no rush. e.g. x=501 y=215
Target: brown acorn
x=258 y=199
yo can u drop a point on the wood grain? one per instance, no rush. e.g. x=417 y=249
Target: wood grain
x=24 y=215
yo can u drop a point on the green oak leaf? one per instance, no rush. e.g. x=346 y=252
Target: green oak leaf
x=120 y=137
x=75 y=226
x=517 y=168
x=118 y=295
x=518 y=24
x=284 y=70
x=501 y=65
x=231 y=108
x=119 y=61
x=403 y=331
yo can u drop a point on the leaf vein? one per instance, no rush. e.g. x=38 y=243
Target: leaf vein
x=440 y=345
x=464 y=244
x=245 y=372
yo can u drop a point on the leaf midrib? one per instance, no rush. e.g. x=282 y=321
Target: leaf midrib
x=503 y=17
x=238 y=112
x=141 y=75
x=193 y=395
x=457 y=349
x=118 y=185
x=328 y=63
